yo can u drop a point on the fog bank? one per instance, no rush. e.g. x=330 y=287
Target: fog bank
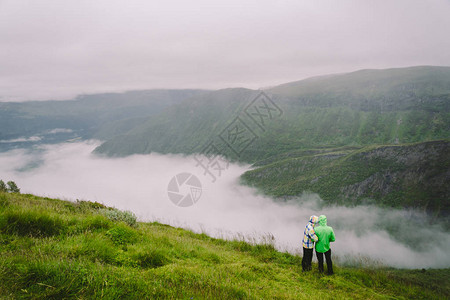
x=225 y=209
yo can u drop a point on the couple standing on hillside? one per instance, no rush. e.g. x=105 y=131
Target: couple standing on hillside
x=321 y=235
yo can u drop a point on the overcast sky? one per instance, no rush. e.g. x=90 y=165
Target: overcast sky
x=58 y=49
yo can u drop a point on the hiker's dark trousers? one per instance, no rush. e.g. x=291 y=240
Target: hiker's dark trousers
x=328 y=259
x=307 y=258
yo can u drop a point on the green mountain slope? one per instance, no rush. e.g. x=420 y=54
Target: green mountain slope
x=62 y=250
x=413 y=175
x=374 y=90
x=183 y=128
x=361 y=108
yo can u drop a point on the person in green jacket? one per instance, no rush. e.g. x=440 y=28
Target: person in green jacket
x=326 y=235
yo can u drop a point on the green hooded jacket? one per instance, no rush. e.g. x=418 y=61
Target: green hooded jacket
x=325 y=234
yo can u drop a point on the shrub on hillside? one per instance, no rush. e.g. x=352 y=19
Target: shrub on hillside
x=88 y=205
x=10 y=187
x=119 y=216
x=3 y=187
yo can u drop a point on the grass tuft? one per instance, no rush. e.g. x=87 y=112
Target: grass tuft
x=3 y=201
x=31 y=223
x=122 y=235
x=153 y=258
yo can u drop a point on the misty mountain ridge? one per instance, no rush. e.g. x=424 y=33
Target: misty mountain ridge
x=94 y=116
x=362 y=108
x=85 y=116
x=365 y=83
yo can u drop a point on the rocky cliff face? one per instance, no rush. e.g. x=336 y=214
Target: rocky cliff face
x=416 y=176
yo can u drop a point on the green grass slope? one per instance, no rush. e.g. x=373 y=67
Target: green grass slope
x=411 y=175
x=53 y=249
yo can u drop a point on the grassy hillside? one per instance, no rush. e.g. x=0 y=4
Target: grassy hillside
x=412 y=175
x=374 y=90
x=55 y=249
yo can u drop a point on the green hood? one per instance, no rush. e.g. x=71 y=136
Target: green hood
x=325 y=234
x=323 y=220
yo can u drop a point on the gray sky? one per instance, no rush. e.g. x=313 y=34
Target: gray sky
x=57 y=49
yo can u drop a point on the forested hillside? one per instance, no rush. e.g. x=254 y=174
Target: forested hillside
x=412 y=176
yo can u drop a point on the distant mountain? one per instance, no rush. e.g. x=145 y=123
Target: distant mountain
x=86 y=116
x=361 y=108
